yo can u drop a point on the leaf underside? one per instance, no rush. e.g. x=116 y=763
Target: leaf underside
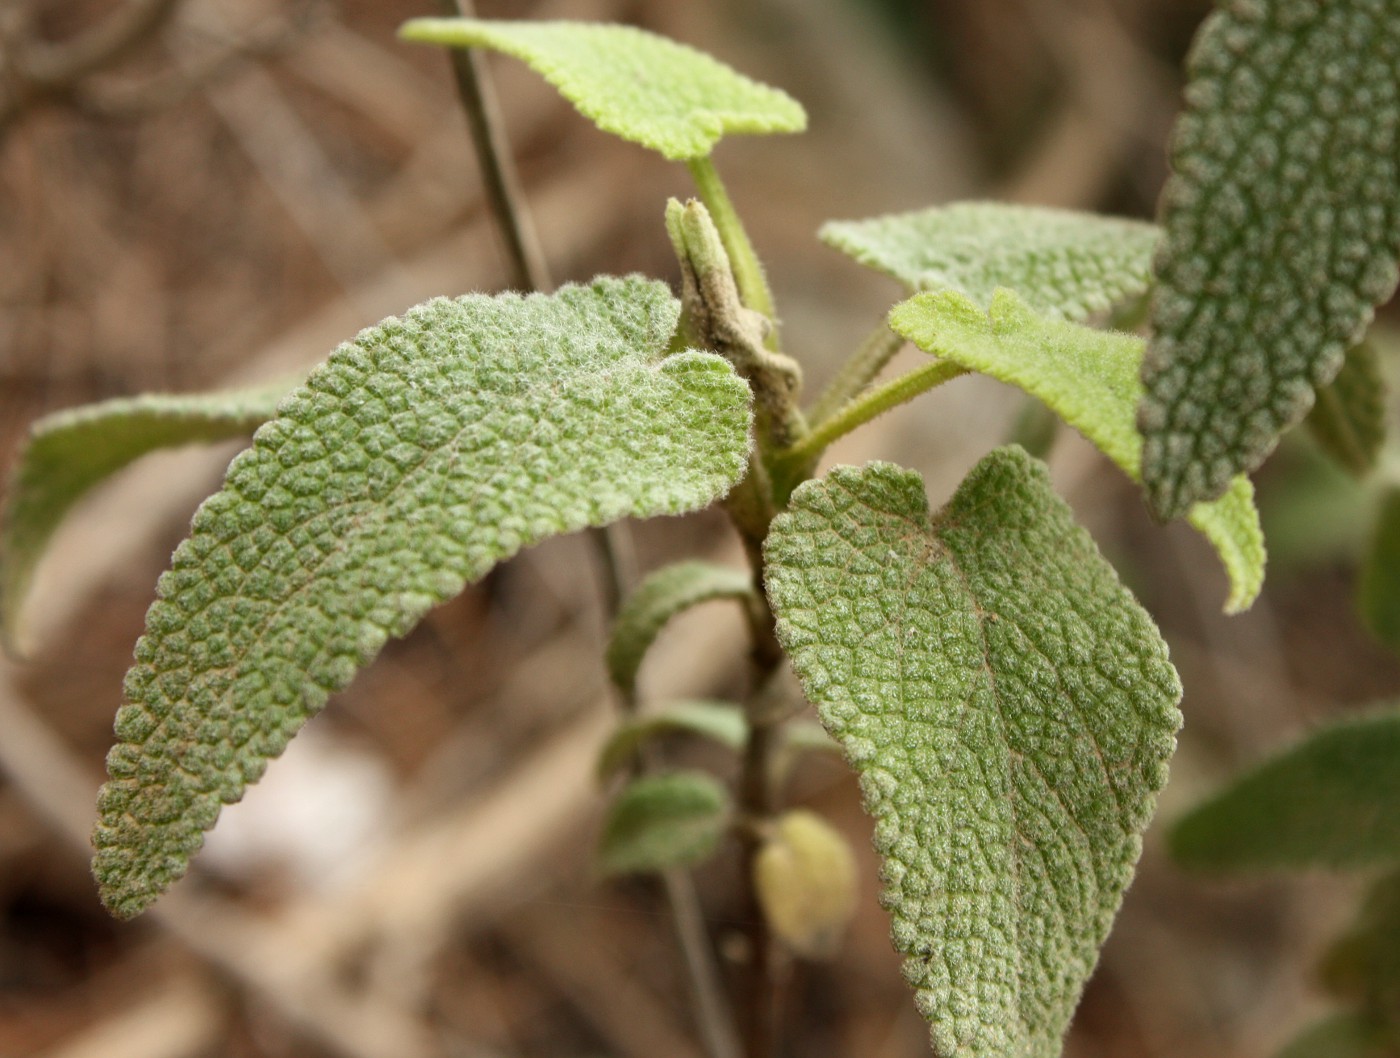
x=424 y=452
x=1065 y=264
x=663 y=821
x=70 y=452
x=1090 y=379
x=636 y=85
x=1282 y=224
x=1333 y=800
x=660 y=597
x=1011 y=711
x=1348 y=420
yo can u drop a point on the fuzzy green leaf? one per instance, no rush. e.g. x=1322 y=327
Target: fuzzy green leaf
x=660 y=597
x=1348 y=420
x=1010 y=709
x=1282 y=226
x=1378 y=593
x=1064 y=264
x=721 y=722
x=427 y=450
x=1333 y=800
x=1089 y=378
x=72 y=451
x=636 y=85
x=674 y=820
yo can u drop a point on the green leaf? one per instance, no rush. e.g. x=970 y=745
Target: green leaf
x=1011 y=711
x=673 y=820
x=1282 y=226
x=1089 y=378
x=1064 y=264
x=427 y=450
x=721 y=722
x=70 y=452
x=1348 y=419
x=660 y=597
x=1339 y=1036
x=636 y=85
x=1378 y=592
x=1333 y=800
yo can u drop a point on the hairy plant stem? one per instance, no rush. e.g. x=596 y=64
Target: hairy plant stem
x=864 y=408
x=747 y=268
x=530 y=272
x=869 y=360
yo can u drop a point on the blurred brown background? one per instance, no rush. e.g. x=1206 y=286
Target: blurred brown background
x=226 y=191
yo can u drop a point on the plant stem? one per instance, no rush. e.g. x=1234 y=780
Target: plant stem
x=530 y=272
x=874 y=353
x=743 y=259
x=876 y=402
x=527 y=263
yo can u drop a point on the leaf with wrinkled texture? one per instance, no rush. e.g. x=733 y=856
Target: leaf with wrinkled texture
x=660 y=597
x=1378 y=591
x=1348 y=420
x=1065 y=264
x=424 y=452
x=636 y=85
x=662 y=821
x=722 y=722
x=1332 y=800
x=1089 y=378
x=70 y=452
x=1010 y=709
x=1282 y=223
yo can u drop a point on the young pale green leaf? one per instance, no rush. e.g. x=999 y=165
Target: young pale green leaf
x=663 y=821
x=1089 y=378
x=1378 y=593
x=1333 y=800
x=1348 y=420
x=424 y=452
x=721 y=722
x=1282 y=224
x=70 y=452
x=1065 y=264
x=1010 y=709
x=636 y=85
x=805 y=879
x=1340 y=1036
x=660 y=597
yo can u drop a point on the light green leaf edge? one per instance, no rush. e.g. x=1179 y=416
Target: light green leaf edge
x=1010 y=709
x=1064 y=263
x=660 y=597
x=425 y=451
x=1090 y=379
x=1378 y=585
x=636 y=85
x=70 y=452
x=663 y=821
x=1348 y=420
x=1282 y=221
x=722 y=722
x=1332 y=800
